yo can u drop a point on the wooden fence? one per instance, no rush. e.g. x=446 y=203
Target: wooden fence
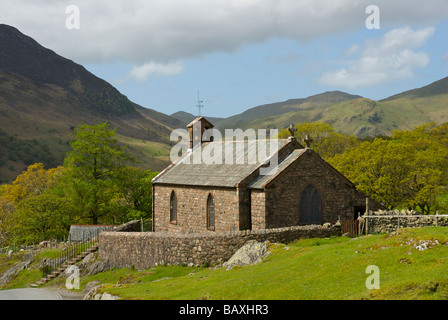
x=350 y=227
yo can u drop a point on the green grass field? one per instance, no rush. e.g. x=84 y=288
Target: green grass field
x=332 y=268
x=308 y=269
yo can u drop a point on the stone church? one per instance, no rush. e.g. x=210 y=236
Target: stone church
x=197 y=197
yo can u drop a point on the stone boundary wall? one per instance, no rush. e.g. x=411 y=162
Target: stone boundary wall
x=146 y=249
x=391 y=223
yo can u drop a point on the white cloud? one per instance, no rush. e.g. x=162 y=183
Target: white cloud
x=381 y=60
x=139 y=31
x=142 y=72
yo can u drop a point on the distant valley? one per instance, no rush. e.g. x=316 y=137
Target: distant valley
x=346 y=113
x=44 y=96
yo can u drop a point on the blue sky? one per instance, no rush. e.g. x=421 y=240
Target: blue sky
x=240 y=54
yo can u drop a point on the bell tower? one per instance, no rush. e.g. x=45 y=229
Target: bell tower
x=196 y=129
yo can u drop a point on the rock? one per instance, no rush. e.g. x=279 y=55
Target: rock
x=12 y=272
x=88 y=259
x=92 y=290
x=326 y=225
x=97 y=267
x=93 y=294
x=108 y=296
x=131 y=226
x=251 y=253
x=91 y=266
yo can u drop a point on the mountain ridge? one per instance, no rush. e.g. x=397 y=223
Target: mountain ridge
x=44 y=96
x=351 y=114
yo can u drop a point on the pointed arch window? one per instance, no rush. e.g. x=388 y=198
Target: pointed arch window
x=210 y=212
x=173 y=207
x=310 y=206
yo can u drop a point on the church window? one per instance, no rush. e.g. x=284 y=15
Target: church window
x=310 y=206
x=173 y=207
x=210 y=212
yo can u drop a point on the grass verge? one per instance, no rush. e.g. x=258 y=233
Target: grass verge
x=333 y=268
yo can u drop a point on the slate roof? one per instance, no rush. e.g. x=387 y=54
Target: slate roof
x=262 y=180
x=186 y=172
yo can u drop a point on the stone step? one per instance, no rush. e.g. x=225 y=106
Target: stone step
x=66 y=264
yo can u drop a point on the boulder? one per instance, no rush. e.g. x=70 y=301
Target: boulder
x=12 y=272
x=97 y=267
x=250 y=253
x=131 y=226
x=93 y=292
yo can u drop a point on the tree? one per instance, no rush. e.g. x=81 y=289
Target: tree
x=92 y=168
x=407 y=171
x=134 y=191
x=34 y=181
x=6 y=211
x=41 y=217
x=326 y=141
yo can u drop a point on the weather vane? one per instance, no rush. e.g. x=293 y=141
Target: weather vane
x=199 y=106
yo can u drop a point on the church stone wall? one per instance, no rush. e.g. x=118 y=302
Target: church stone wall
x=192 y=209
x=258 y=209
x=338 y=196
x=146 y=249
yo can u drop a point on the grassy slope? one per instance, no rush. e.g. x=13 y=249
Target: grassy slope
x=307 y=269
x=332 y=268
x=351 y=114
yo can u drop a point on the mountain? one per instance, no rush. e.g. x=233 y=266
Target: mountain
x=281 y=114
x=421 y=105
x=351 y=114
x=44 y=96
x=436 y=88
x=186 y=117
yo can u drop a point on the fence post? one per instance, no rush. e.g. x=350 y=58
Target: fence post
x=367 y=225
x=437 y=218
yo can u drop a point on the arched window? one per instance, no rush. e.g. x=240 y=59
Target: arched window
x=210 y=212
x=310 y=206
x=173 y=207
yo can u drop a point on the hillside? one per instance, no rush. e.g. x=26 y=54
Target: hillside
x=186 y=117
x=281 y=114
x=44 y=96
x=308 y=269
x=417 y=106
x=351 y=114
